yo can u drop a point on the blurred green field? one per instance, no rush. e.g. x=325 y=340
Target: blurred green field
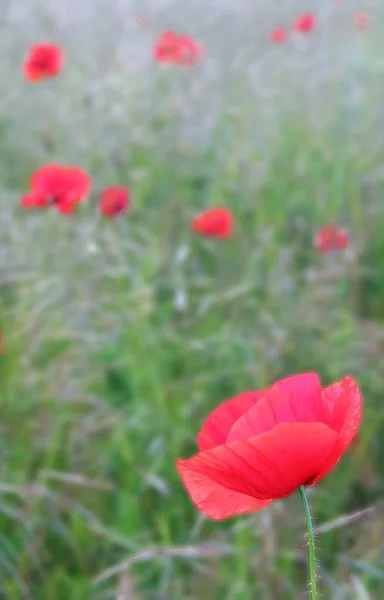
x=120 y=337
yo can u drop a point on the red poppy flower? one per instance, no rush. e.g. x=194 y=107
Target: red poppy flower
x=166 y=47
x=362 y=20
x=330 y=238
x=34 y=201
x=43 y=60
x=261 y=446
x=189 y=51
x=63 y=187
x=173 y=48
x=305 y=23
x=214 y=222
x=114 y=201
x=66 y=206
x=278 y=35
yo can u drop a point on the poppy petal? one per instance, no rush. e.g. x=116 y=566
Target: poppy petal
x=66 y=206
x=305 y=23
x=45 y=178
x=217 y=426
x=278 y=35
x=33 y=201
x=43 y=60
x=114 y=201
x=61 y=184
x=214 y=222
x=78 y=183
x=344 y=404
x=295 y=399
x=214 y=500
x=266 y=467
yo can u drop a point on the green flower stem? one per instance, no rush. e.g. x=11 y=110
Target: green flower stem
x=311 y=544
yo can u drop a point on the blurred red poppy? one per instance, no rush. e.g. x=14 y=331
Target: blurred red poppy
x=262 y=446
x=331 y=238
x=43 y=60
x=114 y=201
x=305 y=23
x=189 y=50
x=278 y=35
x=62 y=187
x=34 y=201
x=173 y=48
x=362 y=20
x=165 y=48
x=214 y=222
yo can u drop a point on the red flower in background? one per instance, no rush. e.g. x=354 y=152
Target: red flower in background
x=189 y=50
x=114 y=201
x=173 y=48
x=43 y=60
x=30 y=201
x=278 y=35
x=214 y=222
x=330 y=238
x=262 y=446
x=62 y=187
x=305 y=23
x=362 y=20
x=165 y=49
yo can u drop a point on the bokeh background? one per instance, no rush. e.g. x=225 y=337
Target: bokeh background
x=120 y=337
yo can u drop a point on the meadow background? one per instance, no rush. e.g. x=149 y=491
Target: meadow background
x=120 y=337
